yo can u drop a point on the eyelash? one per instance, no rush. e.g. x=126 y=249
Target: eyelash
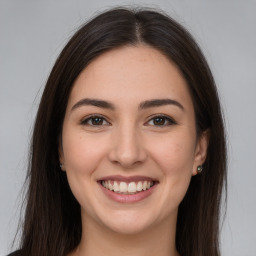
x=90 y=118
x=167 y=119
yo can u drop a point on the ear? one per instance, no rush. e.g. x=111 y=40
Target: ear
x=201 y=150
x=61 y=154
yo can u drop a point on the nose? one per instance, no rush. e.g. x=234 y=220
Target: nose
x=127 y=148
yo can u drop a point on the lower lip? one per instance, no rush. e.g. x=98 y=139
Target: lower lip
x=124 y=198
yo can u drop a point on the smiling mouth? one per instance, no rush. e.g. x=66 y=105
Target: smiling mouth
x=127 y=188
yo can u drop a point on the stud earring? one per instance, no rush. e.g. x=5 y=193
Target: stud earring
x=199 y=169
x=62 y=166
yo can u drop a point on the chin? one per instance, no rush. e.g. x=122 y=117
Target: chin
x=129 y=222
x=128 y=227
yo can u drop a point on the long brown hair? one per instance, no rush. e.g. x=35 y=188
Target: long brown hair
x=52 y=223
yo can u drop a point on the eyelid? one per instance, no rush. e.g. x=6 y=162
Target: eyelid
x=85 y=120
x=166 y=117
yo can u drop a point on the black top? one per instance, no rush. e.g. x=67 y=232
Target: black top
x=16 y=253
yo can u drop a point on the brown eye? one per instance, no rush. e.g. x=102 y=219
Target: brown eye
x=161 y=121
x=95 y=121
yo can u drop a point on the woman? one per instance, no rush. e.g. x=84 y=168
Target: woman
x=128 y=151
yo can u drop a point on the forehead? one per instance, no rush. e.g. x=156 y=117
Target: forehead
x=129 y=74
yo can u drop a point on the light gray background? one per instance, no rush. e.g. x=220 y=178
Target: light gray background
x=32 y=33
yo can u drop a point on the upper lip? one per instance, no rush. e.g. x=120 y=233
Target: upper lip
x=127 y=178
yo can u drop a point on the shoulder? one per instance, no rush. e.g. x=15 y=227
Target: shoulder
x=16 y=253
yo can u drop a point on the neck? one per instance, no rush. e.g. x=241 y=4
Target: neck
x=97 y=240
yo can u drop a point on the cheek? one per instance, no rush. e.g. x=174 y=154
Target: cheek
x=174 y=159
x=82 y=154
x=175 y=155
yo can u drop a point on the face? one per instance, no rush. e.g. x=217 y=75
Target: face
x=129 y=144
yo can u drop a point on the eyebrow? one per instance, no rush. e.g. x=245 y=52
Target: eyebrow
x=159 y=102
x=144 y=105
x=94 y=102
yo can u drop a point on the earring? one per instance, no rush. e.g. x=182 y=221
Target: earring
x=199 y=169
x=61 y=166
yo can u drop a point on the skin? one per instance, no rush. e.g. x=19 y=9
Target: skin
x=129 y=141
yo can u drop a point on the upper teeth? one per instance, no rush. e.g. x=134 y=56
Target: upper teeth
x=123 y=187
